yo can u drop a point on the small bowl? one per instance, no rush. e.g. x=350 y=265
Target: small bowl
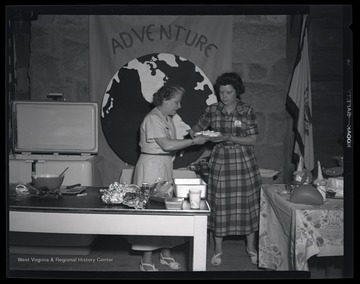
x=50 y=181
x=174 y=203
x=330 y=193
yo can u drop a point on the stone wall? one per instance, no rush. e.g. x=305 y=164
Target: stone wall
x=259 y=54
x=59 y=61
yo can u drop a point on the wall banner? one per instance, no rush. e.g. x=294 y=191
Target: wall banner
x=132 y=56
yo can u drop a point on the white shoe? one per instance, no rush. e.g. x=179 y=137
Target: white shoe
x=253 y=256
x=216 y=259
x=169 y=261
x=151 y=267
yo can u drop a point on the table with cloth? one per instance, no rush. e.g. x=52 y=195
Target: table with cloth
x=291 y=233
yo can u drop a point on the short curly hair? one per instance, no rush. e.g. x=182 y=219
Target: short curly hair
x=167 y=92
x=230 y=78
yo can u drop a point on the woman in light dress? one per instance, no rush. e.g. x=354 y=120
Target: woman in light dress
x=158 y=143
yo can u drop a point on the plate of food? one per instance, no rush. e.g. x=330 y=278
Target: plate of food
x=208 y=133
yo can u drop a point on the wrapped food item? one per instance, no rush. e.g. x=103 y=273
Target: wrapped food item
x=138 y=200
x=161 y=190
x=126 y=194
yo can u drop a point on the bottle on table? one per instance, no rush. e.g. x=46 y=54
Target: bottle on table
x=145 y=189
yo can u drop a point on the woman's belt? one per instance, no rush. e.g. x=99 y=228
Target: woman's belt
x=228 y=146
x=157 y=154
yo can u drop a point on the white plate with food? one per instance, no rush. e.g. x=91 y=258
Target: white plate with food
x=208 y=133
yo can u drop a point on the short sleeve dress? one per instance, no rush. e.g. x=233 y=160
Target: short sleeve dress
x=154 y=163
x=234 y=178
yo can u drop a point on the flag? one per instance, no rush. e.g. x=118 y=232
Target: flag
x=299 y=102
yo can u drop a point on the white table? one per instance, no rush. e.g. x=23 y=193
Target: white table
x=87 y=215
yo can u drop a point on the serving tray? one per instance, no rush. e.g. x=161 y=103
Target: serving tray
x=72 y=191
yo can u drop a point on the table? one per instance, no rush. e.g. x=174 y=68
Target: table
x=88 y=215
x=290 y=233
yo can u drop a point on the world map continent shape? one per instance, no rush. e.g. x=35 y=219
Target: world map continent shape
x=128 y=100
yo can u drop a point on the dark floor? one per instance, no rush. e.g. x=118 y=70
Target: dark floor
x=111 y=256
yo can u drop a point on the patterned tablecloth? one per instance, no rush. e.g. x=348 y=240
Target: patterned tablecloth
x=291 y=233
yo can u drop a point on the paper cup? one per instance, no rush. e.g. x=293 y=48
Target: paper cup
x=195 y=197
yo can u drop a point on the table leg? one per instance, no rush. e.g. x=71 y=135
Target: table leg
x=199 y=244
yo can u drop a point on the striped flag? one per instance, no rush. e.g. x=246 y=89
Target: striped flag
x=298 y=102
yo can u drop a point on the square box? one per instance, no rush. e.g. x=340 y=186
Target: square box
x=183 y=185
